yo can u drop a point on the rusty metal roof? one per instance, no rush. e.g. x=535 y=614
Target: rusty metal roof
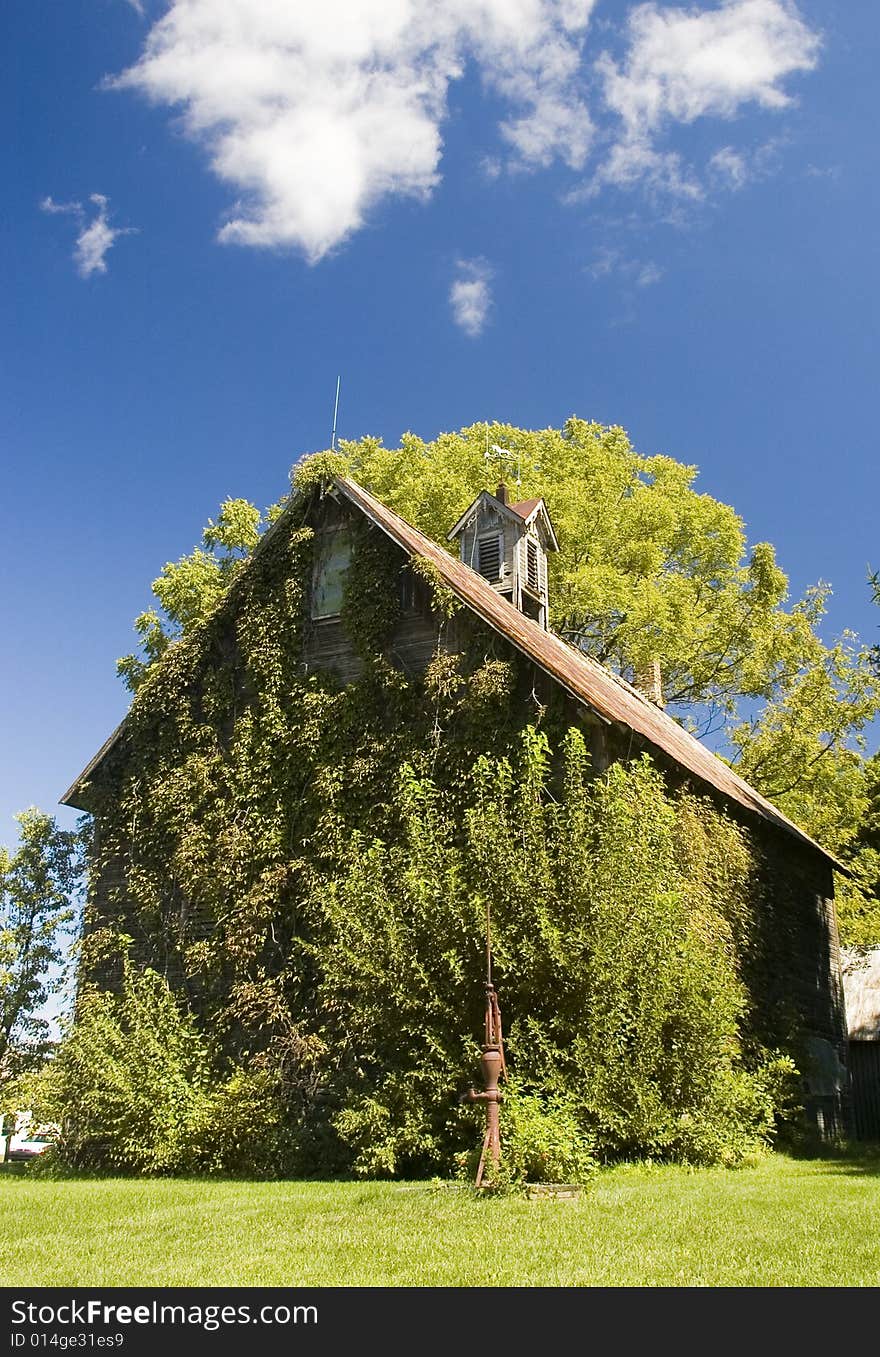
x=525 y=507
x=612 y=697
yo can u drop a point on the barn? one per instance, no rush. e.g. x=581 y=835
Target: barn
x=494 y=596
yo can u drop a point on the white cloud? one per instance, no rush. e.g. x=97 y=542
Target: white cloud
x=314 y=113
x=730 y=166
x=470 y=295
x=608 y=262
x=48 y=204
x=684 y=64
x=648 y=274
x=95 y=238
x=733 y=169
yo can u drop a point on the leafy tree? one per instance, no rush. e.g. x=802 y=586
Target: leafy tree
x=803 y=747
x=648 y=568
x=858 y=903
x=38 y=882
x=189 y=589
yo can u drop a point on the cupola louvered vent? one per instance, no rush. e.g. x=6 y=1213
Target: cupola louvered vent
x=532 y=577
x=489 y=557
x=507 y=544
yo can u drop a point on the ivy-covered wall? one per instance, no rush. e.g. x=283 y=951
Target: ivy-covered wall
x=277 y=776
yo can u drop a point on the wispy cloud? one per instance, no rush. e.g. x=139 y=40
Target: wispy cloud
x=731 y=166
x=822 y=172
x=685 y=64
x=648 y=274
x=48 y=204
x=96 y=236
x=636 y=272
x=733 y=169
x=470 y=295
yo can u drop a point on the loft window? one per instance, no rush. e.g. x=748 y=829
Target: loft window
x=489 y=557
x=532 y=577
x=331 y=564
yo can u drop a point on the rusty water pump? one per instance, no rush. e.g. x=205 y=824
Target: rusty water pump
x=494 y=1069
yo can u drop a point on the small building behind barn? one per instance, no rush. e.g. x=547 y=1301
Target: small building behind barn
x=861 y=983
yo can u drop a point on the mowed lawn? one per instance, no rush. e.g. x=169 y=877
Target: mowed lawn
x=786 y=1222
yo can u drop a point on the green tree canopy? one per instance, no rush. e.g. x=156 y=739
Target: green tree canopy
x=189 y=589
x=859 y=905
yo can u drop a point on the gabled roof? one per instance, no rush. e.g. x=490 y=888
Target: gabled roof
x=525 y=512
x=611 y=697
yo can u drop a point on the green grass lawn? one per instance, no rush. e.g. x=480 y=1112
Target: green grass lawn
x=787 y=1222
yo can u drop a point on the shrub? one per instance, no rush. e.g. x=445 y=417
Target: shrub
x=618 y=977
x=134 y=1091
x=544 y=1140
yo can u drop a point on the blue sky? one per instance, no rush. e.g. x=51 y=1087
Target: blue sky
x=654 y=216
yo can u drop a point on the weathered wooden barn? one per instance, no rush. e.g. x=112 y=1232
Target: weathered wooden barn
x=500 y=584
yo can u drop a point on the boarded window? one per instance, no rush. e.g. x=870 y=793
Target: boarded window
x=331 y=564
x=532 y=577
x=489 y=557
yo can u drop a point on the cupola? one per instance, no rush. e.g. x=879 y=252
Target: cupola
x=508 y=544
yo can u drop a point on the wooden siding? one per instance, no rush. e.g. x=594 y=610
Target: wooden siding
x=327 y=645
x=486 y=523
